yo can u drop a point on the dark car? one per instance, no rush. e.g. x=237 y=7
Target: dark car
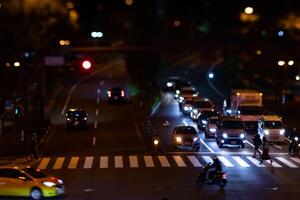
x=76 y=118
x=116 y=94
x=185 y=136
x=204 y=117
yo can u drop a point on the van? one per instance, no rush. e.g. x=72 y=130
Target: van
x=271 y=126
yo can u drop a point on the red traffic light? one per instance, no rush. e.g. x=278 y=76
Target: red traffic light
x=86 y=64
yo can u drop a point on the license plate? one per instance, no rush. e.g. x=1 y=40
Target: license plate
x=233 y=142
x=274 y=137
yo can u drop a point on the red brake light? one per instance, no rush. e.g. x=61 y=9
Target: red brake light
x=122 y=93
x=86 y=64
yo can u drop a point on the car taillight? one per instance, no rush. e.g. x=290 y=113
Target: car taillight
x=224 y=176
x=122 y=93
x=108 y=93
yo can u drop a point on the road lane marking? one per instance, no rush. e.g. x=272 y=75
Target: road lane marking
x=73 y=163
x=164 y=161
x=184 y=122
x=255 y=161
x=274 y=164
x=148 y=161
x=44 y=163
x=240 y=161
x=104 y=162
x=287 y=162
x=95 y=124
x=98 y=91
x=94 y=141
x=88 y=162
x=179 y=161
x=225 y=161
x=98 y=100
x=207 y=159
x=194 y=161
x=118 y=162
x=297 y=160
x=97 y=112
x=133 y=161
x=59 y=162
x=212 y=151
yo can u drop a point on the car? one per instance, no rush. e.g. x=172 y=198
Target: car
x=116 y=94
x=172 y=82
x=271 y=126
x=186 y=106
x=26 y=181
x=185 y=136
x=200 y=105
x=204 y=117
x=76 y=118
x=211 y=127
x=185 y=93
x=230 y=132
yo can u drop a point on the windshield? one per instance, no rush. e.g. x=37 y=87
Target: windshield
x=233 y=125
x=76 y=114
x=273 y=124
x=35 y=173
x=251 y=110
x=202 y=104
x=188 y=102
x=186 y=130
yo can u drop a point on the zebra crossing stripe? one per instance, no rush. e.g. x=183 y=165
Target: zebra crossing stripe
x=194 y=161
x=275 y=164
x=164 y=161
x=207 y=159
x=118 y=162
x=148 y=161
x=88 y=162
x=255 y=161
x=297 y=160
x=179 y=161
x=240 y=161
x=133 y=161
x=73 y=163
x=225 y=161
x=43 y=164
x=285 y=161
x=103 y=162
x=59 y=162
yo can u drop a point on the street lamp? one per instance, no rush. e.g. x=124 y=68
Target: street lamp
x=96 y=34
x=249 y=10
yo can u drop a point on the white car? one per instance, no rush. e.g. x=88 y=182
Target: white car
x=271 y=126
x=211 y=127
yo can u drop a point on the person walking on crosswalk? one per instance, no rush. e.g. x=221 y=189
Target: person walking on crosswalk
x=256 y=142
x=265 y=154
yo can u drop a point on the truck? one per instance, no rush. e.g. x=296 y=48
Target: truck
x=247 y=104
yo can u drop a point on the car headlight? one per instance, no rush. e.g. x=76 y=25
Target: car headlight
x=85 y=118
x=169 y=84
x=204 y=121
x=177 y=92
x=213 y=130
x=281 y=132
x=195 y=95
x=178 y=139
x=224 y=135
x=195 y=111
x=181 y=98
x=49 y=184
x=68 y=119
x=185 y=108
x=196 y=139
x=176 y=95
x=296 y=138
x=60 y=181
x=229 y=111
x=190 y=108
x=242 y=135
x=267 y=132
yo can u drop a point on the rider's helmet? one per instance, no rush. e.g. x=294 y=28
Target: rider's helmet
x=214 y=158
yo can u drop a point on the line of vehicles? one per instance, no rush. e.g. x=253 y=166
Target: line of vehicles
x=242 y=113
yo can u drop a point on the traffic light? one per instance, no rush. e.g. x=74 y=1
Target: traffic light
x=18 y=111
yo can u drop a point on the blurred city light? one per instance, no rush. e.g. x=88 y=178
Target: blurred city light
x=7 y=64
x=291 y=62
x=27 y=54
x=249 y=10
x=128 y=2
x=17 y=64
x=64 y=42
x=70 y=5
x=280 y=33
x=281 y=63
x=211 y=75
x=258 y=52
x=86 y=64
x=95 y=34
x=297 y=77
x=176 y=23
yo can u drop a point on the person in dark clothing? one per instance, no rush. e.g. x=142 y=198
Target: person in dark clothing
x=293 y=141
x=265 y=154
x=214 y=167
x=256 y=142
x=34 y=146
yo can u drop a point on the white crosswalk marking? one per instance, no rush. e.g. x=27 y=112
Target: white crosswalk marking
x=43 y=164
x=118 y=162
x=207 y=159
x=274 y=164
x=103 y=162
x=179 y=161
x=194 y=161
x=148 y=161
x=164 y=161
x=255 y=161
x=133 y=161
x=225 y=161
x=240 y=161
x=88 y=162
x=59 y=162
x=285 y=161
x=73 y=163
x=297 y=160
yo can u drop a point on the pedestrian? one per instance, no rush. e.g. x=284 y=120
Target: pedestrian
x=34 y=146
x=265 y=154
x=256 y=142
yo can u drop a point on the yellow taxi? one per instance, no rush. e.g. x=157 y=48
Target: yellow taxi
x=26 y=181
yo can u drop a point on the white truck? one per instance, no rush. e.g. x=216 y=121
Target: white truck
x=248 y=105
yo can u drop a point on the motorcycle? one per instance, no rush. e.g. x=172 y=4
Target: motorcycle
x=219 y=178
x=294 y=146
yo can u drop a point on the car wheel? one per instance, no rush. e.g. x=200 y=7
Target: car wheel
x=36 y=194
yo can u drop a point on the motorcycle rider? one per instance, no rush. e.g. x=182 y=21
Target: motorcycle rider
x=214 y=168
x=293 y=141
